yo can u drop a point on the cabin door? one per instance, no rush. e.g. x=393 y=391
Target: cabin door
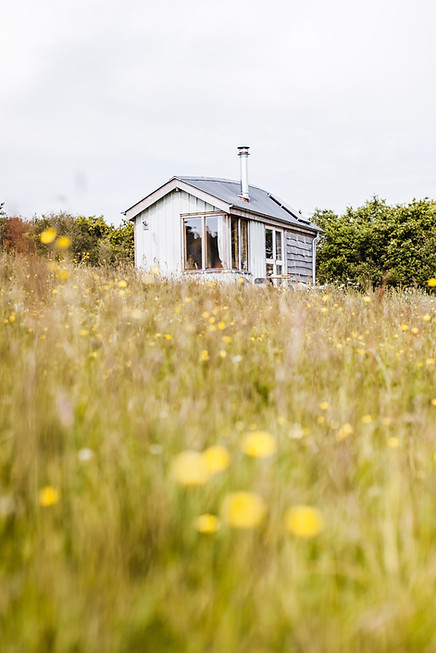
x=273 y=251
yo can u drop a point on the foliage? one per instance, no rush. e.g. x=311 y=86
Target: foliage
x=377 y=243
x=93 y=240
x=189 y=467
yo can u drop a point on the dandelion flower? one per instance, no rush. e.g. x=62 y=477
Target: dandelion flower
x=189 y=468
x=243 y=510
x=344 y=432
x=431 y=283
x=122 y=284
x=259 y=444
x=63 y=242
x=404 y=327
x=48 y=235
x=217 y=458
x=48 y=496
x=304 y=521
x=207 y=524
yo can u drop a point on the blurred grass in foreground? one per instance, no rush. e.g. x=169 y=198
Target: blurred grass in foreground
x=320 y=409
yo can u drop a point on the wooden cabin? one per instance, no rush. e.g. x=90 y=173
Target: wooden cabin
x=204 y=225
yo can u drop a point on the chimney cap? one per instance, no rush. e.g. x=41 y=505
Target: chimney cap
x=243 y=149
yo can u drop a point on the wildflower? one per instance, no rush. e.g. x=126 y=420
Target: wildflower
x=63 y=275
x=431 y=283
x=387 y=421
x=189 y=468
x=222 y=353
x=393 y=442
x=404 y=327
x=367 y=419
x=217 y=458
x=204 y=356
x=324 y=405
x=122 y=284
x=367 y=299
x=304 y=521
x=243 y=510
x=207 y=524
x=296 y=432
x=85 y=455
x=344 y=432
x=11 y=318
x=48 y=496
x=426 y=317
x=259 y=444
x=236 y=359
x=48 y=235
x=415 y=331
x=433 y=402
x=226 y=339
x=63 y=242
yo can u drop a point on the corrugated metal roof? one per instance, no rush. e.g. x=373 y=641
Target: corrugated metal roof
x=261 y=202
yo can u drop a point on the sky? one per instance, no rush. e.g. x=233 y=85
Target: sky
x=103 y=102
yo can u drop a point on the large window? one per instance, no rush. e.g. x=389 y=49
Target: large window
x=239 y=244
x=273 y=251
x=204 y=242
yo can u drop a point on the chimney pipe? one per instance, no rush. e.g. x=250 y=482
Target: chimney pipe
x=243 y=153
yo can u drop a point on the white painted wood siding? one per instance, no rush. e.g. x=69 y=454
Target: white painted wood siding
x=161 y=245
x=256 y=245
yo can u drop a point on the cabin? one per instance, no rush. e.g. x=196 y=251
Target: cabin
x=205 y=225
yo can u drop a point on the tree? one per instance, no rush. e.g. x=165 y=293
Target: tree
x=377 y=243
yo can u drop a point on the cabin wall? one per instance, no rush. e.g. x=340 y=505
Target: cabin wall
x=161 y=244
x=256 y=245
x=299 y=253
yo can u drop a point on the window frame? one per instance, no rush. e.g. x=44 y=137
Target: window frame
x=203 y=217
x=240 y=221
x=275 y=260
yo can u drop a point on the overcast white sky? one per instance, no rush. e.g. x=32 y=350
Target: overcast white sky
x=102 y=102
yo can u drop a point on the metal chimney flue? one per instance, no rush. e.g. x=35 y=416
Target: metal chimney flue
x=243 y=153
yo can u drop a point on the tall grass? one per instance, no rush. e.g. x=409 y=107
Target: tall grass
x=107 y=375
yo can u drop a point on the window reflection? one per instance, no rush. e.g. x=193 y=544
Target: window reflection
x=193 y=244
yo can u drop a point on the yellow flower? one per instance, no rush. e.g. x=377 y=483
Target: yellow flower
x=216 y=458
x=189 y=468
x=48 y=235
x=431 y=283
x=367 y=299
x=404 y=327
x=226 y=339
x=63 y=242
x=304 y=521
x=426 y=317
x=48 y=496
x=207 y=524
x=222 y=353
x=324 y=405
x=393 y=442
x=243 y=509
x=344 y=432
x=11 y=318
x=63 y=275
x=122 y=284
x=259 y=444
x=433 y=402
x=367 y=419
x=204 y=356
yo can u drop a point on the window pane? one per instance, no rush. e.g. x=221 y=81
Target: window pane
x=269 y=243
x=269 y=269
x=193 y=245
x=279 y=269
x=279 y=245
x=235 y=244
x=244 y=244
x=214 y=242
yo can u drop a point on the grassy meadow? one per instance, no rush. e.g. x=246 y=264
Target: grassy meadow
x=194 y=468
